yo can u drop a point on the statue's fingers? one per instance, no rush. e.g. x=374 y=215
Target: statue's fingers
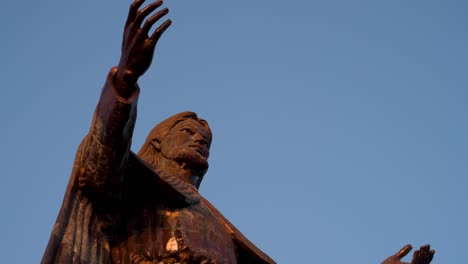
x=416 y=257
x=426 y=257
x=425 y=248
x=146 y=11
x=153 y=19
x=404 y=251
x=133 y=11
x=160 y=30
x=431 y=255
x=425 y=254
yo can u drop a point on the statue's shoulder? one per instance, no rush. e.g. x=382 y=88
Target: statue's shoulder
x=247 y=251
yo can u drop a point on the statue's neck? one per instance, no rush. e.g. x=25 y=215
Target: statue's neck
x=178 y=170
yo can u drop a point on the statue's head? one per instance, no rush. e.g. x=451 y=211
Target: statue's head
x=183 y=138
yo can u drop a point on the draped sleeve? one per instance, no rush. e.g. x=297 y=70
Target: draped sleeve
x=105 y=150
x=78 y=235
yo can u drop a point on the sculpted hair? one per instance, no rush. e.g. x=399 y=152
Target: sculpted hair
x=159 y=133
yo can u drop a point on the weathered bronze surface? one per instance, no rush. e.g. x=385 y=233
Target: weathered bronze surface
x=120 y=207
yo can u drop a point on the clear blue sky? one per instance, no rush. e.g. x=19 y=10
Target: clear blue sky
x=340 y=127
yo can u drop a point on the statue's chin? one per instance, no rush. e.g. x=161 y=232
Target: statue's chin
x=192 y=160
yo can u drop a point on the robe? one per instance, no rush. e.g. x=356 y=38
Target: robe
x=117 y=209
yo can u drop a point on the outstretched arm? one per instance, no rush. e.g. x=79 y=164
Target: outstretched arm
x=104 y=151
x=422 y=256
x=106 y=148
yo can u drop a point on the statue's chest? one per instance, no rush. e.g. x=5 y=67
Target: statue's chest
x=188 y=235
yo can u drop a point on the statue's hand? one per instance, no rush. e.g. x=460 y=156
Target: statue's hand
x=422 y=256
x=137 y=46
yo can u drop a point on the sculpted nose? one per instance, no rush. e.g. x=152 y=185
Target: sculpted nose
x=200 y=140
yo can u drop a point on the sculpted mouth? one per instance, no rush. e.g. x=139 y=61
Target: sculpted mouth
x=200 y=149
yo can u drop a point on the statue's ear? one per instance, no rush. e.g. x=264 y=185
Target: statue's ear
x=156 y=144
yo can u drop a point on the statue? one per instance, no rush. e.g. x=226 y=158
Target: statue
x=120 y=207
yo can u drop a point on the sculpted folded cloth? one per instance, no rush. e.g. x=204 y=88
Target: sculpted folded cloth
x=119 y=209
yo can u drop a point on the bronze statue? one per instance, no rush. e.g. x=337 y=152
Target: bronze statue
x=120 y=207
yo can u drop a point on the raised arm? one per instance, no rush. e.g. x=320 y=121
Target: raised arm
x=105 y=150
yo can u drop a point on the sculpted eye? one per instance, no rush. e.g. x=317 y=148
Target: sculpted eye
x=187 y=130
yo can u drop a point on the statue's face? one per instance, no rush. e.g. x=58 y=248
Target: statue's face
x=188 y=142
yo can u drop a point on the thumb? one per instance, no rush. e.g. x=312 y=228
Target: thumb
x=404 y=251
